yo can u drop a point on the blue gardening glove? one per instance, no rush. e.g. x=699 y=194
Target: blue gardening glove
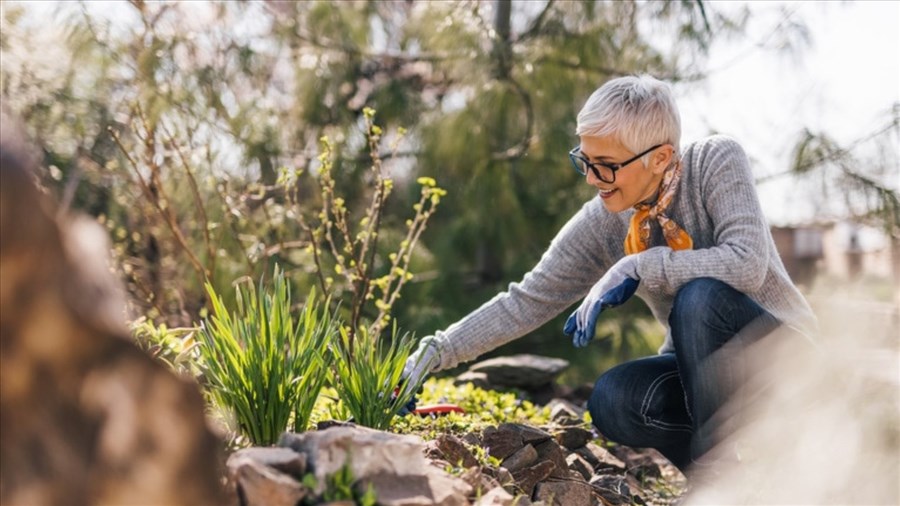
x=614 y=288
x=409 y=407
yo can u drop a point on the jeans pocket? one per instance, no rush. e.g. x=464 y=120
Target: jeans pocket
x=663 y=405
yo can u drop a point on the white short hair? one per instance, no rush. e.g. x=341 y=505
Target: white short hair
x=638 y=110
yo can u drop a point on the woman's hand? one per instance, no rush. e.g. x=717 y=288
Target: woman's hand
x=614 y=288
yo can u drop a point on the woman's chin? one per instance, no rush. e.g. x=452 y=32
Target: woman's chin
x=614 y=204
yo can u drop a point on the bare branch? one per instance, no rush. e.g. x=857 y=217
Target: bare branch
x=537 y=23
x=198 y=200
x=520 y=149
x=154 y=199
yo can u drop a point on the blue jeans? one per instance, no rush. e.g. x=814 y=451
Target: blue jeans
x=669 y=401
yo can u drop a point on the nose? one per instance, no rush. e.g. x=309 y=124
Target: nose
x=590 y=178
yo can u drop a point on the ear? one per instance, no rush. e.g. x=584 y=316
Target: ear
x=661 y=159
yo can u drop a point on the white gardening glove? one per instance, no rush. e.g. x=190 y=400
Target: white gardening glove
x=421 y=362
x=614 y=288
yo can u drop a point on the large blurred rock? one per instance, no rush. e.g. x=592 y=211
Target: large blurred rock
x=87 y=418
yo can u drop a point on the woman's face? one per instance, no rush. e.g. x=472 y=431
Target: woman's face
x=634 y=182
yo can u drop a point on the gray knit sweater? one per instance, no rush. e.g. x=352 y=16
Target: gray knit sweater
x=716 y=204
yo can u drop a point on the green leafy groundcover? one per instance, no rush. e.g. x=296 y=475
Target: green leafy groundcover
x=482 y=408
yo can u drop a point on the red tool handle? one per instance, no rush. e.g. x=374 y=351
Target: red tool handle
x=438 y=409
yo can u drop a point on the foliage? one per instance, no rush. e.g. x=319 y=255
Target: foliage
x=848 y=186
x=353 y=247
x=482 y=408
x=329 y=407
x=171 y=122
x=365 y=376
x=192 y=131
x=340 y=487
x=174 y=347
x=260 y=362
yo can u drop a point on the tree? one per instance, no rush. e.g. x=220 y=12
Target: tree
x=173 y=123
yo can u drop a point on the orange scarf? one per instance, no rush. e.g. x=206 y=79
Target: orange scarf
x=638 y=238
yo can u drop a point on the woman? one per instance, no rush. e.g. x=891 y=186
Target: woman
x=684 y=231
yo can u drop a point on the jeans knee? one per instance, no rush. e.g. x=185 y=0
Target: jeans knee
x=700 y=300
x=699 y=292
x=606 y=413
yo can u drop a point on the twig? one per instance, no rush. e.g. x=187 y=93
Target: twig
x=173 y=227
x=198 y=200
x=535 y=27
x=520 y=149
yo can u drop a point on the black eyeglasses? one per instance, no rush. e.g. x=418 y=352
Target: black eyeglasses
x=608 y=175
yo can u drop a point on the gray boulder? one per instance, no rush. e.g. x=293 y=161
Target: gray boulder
x=393 y=465
x=527 y=372
x=260 y=485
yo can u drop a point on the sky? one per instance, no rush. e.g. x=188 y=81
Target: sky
x=843 y=84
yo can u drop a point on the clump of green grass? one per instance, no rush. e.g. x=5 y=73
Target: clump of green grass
x=262 y=364
x=367 y=371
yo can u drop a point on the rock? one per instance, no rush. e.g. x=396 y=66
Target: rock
x=521 y=371
x=564 y=412
x=327 y=424
x=472 y=438
x=501 y=443
x=394 y=465
x=433 y=487
x=455 y=451
x=578 y=464
x=641 y=464
x=527 y=478
x=432 y=452
x=522 y=500
x=600 y=458
x=573 y=438
x=637 y=489
x=87 y=417
x=367 y=451
x=439 y=463
x=613 y=490
x=478 y=379
x=501 y=474
x=525 y=457
x=495 y=497
x=530 y=435
x=479 y=481
x=282 y=459
x=563 y=493
x=551 y=452
x=260 y=485
x=576 y=476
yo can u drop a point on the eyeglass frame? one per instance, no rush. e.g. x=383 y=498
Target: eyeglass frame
x=574 y=157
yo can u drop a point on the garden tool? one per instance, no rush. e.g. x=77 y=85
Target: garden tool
x=432 y=410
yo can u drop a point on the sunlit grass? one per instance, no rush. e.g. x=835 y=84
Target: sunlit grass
x=260 y=363
x=367 y=372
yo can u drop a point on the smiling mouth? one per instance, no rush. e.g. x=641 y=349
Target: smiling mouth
x=606 y=193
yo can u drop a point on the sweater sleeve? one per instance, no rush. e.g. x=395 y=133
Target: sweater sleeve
x=728 y=197
x=565 y=273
